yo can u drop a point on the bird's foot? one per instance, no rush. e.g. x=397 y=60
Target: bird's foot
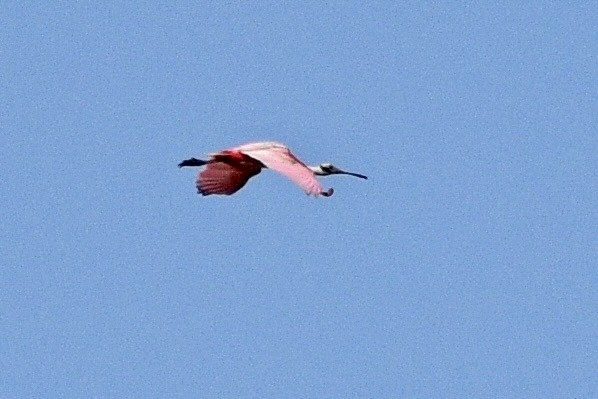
x=192 y=162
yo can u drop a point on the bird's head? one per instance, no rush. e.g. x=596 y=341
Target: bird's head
x=326 y=169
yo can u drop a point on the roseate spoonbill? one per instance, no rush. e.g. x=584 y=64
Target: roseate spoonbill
x=227 y=171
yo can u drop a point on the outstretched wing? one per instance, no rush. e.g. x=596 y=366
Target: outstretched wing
x=223 y=178
x=279 y=158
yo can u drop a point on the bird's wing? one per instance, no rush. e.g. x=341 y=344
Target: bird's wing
x=280 y=159
x=223 y=178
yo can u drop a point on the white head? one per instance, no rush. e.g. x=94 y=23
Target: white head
x=326 y=169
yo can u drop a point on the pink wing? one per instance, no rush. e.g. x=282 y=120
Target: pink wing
x=223 y=178
x=277 y=157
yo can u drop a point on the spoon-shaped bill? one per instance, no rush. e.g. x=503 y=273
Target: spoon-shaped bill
x=342 y=172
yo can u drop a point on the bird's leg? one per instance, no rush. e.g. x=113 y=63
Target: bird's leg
x=327 y=193
x=192 y=162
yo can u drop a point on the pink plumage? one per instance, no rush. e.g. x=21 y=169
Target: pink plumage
x=229 y=170
x=279 y=158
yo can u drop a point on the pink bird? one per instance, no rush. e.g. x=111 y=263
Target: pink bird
x=227 y=171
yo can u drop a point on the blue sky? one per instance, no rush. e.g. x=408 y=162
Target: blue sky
x=464 y=267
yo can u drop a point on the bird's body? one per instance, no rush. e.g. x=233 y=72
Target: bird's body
x=227 y=171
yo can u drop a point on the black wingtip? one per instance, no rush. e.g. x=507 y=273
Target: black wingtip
x=328 y=193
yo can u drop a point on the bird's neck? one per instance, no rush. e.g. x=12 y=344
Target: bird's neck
x=317 y=170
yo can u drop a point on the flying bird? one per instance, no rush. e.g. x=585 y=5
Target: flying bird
x=227 y=171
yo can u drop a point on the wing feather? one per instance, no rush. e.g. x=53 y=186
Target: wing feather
x=223 y=178
x=279 y=158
